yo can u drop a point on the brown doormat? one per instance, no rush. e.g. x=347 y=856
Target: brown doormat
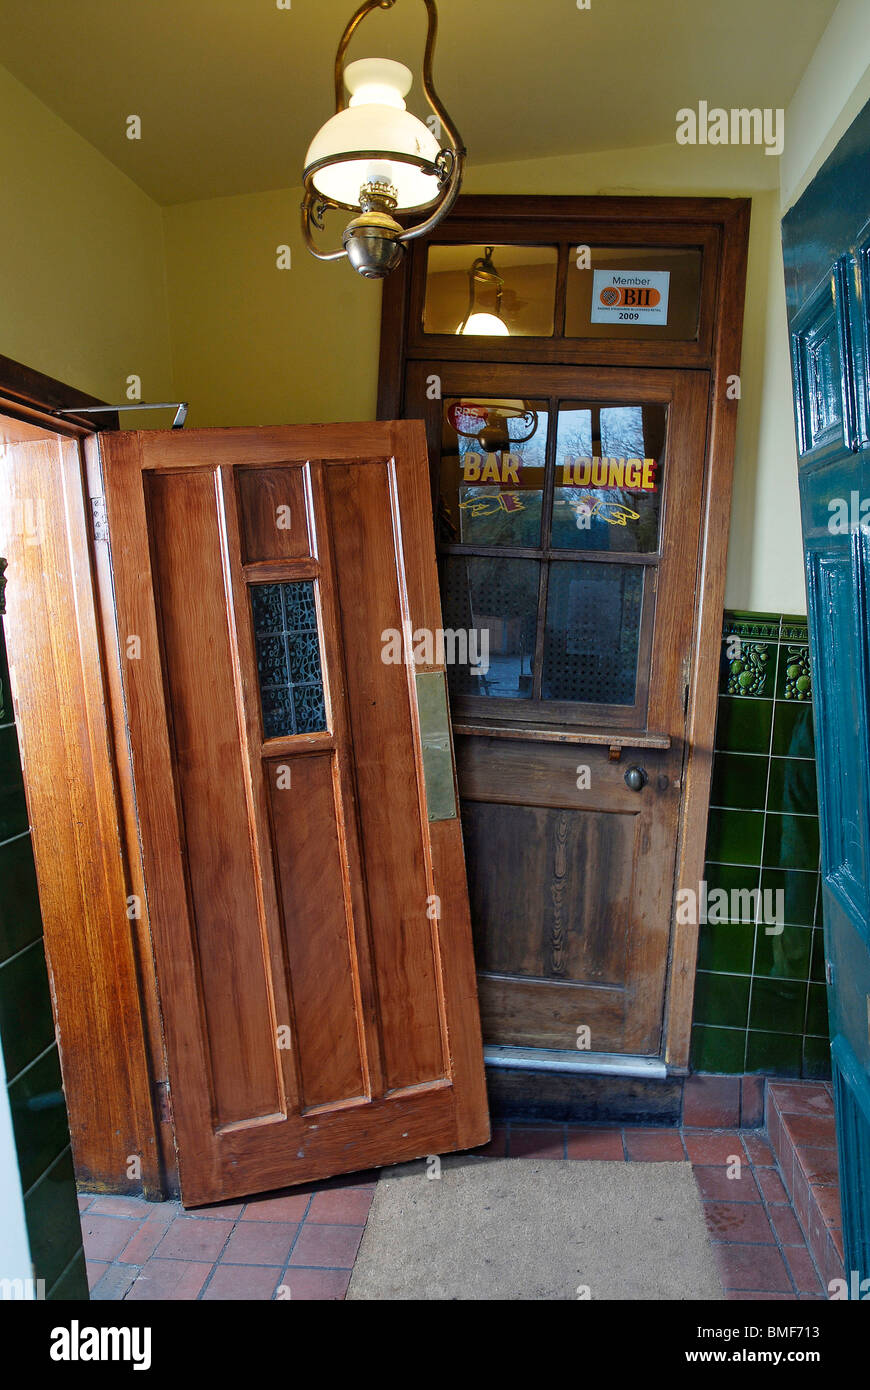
x=514 y=1228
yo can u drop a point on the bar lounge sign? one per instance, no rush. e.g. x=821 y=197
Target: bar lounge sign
x=635 y=475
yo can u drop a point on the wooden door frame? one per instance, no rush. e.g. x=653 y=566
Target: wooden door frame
x=534 y=219
x=103 y=986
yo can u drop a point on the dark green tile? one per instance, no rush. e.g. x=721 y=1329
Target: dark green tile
x=792 y=786
x=799 y=893
x=7 y=715
x=778 y=1006
x=756 y=627
x=734 y=878
x=72 y=1286
x=20 y=920
x=718 y=1049
x=51 y=1212
x=791 y=842
x=785 y=956
x=721 y=999
x=792 y=730
x=739 y=779
x=793 y=681
x=743 y=725
x=726 y=947
x=749 y=673
x=817 y=1059
x=39 y=1117
x=773 y=1054
x=13 y=808
x=26 y=1024
x=734 y=837
x=817 y=963
x=817 y=1012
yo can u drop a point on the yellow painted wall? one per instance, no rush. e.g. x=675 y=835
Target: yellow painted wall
x=833 y=89
x=82 y=267
x=257 y=345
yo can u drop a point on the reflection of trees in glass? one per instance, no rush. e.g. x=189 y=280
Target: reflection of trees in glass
x=622 y=436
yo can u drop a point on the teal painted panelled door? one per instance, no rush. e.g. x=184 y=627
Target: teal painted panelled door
x=826 y=241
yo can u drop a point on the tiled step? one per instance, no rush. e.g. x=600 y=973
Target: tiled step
x=800 y=1125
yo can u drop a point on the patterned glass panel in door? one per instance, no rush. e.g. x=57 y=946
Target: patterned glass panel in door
x=609 y=477
x=288 y=658
x=493 y=459
x=490 y=608
x=592 y=632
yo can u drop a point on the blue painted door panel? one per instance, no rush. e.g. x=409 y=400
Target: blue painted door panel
x=826 y=246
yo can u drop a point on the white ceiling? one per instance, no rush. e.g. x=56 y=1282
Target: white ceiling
x=231 y=91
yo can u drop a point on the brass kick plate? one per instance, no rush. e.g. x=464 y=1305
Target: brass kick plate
x=435 y=737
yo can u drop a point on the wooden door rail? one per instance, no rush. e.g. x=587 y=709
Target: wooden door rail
x=615 y=740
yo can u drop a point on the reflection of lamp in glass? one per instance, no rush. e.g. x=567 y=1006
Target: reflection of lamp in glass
x=374 y=158
x=483 y=277
x=492 y=432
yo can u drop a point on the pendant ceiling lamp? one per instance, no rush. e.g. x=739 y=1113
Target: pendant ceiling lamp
x=484 y=280
x=375 y=159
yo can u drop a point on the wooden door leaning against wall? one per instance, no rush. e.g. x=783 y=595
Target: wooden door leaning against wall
x=302 y=853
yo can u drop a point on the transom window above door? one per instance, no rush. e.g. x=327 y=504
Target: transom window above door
x=549 y=528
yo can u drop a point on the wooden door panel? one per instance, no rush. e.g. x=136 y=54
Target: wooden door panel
x=197 y=664
x=314 y=910
x=320 y=1016
x=360 y=511
x=538 y=875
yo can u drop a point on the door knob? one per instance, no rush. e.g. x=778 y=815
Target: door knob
x=636 y=778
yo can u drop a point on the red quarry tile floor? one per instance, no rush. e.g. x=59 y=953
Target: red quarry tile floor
x=302 y=1243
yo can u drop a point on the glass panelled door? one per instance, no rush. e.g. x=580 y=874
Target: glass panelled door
x=567 y=509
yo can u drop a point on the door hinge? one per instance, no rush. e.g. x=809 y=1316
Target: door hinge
x=99 y=519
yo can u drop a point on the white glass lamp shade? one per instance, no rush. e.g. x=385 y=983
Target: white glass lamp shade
x=375 y=120
x=484 y=326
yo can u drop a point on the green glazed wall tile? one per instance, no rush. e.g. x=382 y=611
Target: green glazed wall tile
x=20 y=919
x=817 y=1011
x=726 y=947
x=817 y=1059
x=734 y=878
x=734 y=837
x=7 y=714
x=52 y=1216
x=722 y=999
x=785 y=956
x=13 y=808
x=792 y=730
x=791 y=842
x=26 y=1024
x=793 y=786
x=793 y=680
x=743 y=725
x=817 y=963
x=752 y=672
x=739 y=780
x=718 y=1049
x=39 y=1117
x=778 y=1006
x=798 y=887
x=774 y=1054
